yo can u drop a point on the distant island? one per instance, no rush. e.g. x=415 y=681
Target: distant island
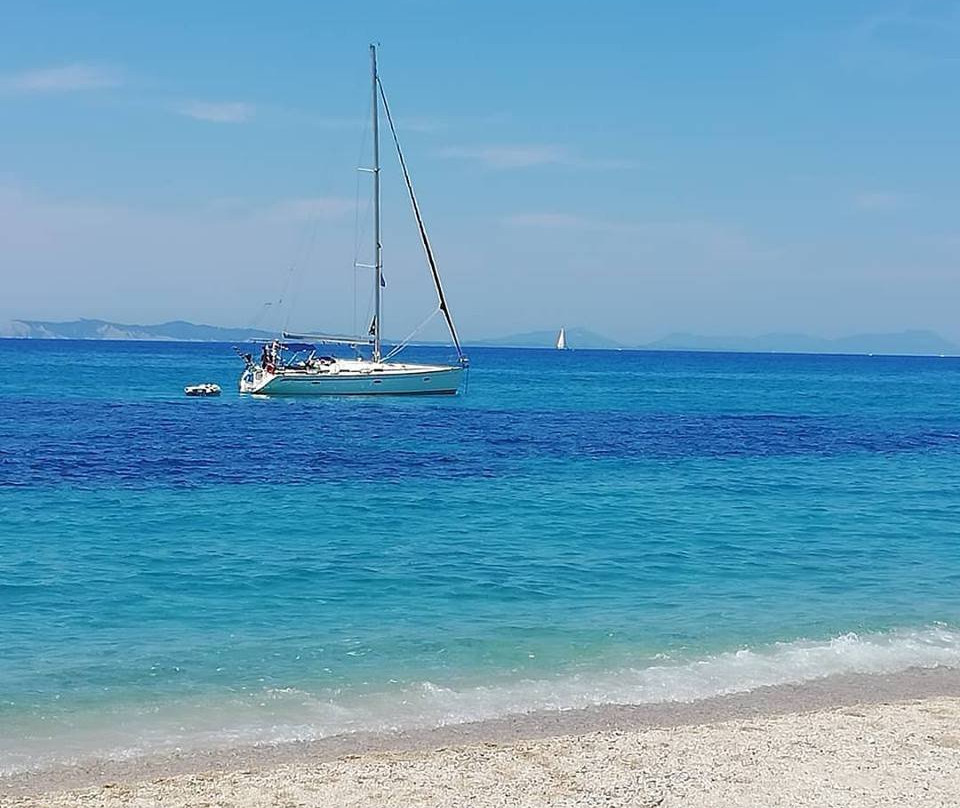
x=175 y=331
x=913 y=342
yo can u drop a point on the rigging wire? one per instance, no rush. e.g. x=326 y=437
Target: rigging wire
x=431 y=260
x=300 y=265
x=406 y=340
x=255 y=320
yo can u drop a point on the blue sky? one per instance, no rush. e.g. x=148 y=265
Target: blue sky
x=632 y=168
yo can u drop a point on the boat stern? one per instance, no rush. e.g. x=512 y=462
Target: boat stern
x=254 y=379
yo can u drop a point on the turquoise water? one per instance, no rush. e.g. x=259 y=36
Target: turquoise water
x=579 y=528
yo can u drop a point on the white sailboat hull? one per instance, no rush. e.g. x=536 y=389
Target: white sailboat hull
x=281 y=371
x=370 y=379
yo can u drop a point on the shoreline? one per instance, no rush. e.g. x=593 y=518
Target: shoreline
x=767 y=705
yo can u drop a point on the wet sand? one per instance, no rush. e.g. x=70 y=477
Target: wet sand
x=839 y=741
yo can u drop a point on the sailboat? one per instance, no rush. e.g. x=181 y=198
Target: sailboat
x=292 y=364
x=562 y=340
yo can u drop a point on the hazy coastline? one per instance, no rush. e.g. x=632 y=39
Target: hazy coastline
x=912 y=342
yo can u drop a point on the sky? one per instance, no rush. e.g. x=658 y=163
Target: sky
x=632 y=168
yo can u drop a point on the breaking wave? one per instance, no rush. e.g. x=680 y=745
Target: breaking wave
x=294 y=714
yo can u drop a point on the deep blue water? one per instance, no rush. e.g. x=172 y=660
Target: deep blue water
x=580 y=527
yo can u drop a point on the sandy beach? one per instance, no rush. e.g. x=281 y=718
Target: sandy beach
x=845 y=741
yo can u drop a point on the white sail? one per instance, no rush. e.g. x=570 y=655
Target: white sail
x=561 y=340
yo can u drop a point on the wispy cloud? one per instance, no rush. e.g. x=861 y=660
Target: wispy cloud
x=310 y=118
x=879 y=200
x=63 y=79
x=907 y=40
x=556 y=220
x=309 y=208
x=421 y=125
x=508 y=156
x=716 y=239
x=217 y=111
x=185 y=260
x=530 y=156
x=604 y=164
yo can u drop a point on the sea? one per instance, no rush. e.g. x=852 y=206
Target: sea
x=577 y=528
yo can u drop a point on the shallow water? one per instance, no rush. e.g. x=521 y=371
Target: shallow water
x=581 y=527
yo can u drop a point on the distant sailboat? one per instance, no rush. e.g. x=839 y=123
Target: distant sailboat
x=562 y=340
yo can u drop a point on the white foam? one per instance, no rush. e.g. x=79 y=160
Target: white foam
x=287 y=714
x=430 y=704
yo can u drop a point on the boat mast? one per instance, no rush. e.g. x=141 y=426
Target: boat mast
x=377 y=248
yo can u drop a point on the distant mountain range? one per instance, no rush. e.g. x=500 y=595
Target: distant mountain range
x=905 y=342
x=175 y=331
x=918 y=343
